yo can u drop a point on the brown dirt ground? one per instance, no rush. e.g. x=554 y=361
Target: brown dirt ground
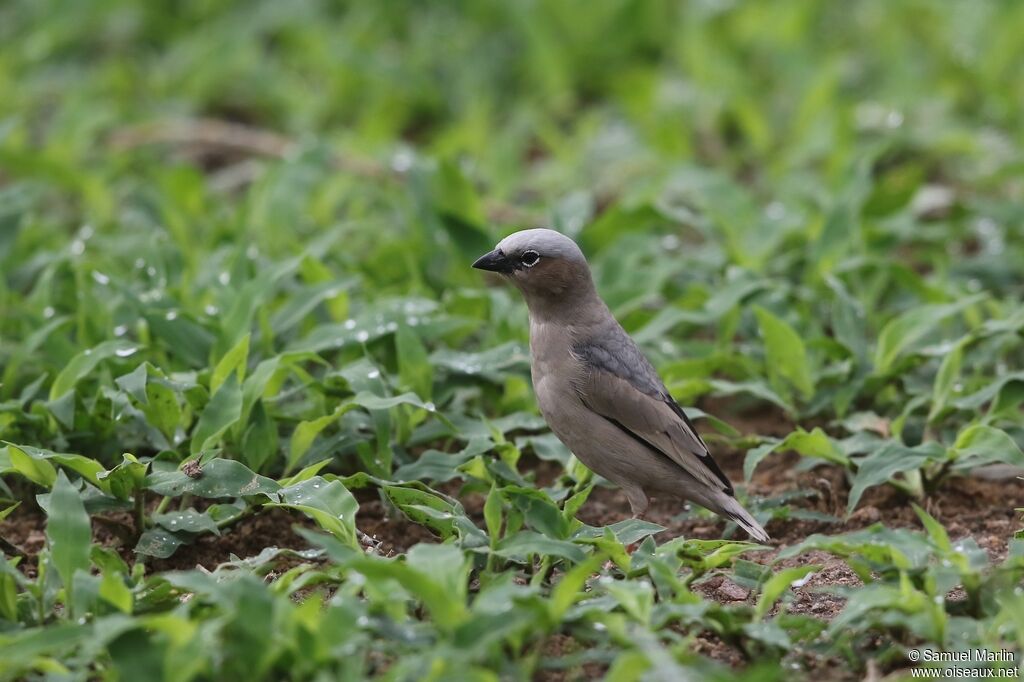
x=25 y=528
x=967 y=507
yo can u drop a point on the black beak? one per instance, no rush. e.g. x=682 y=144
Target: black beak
x=495 y=261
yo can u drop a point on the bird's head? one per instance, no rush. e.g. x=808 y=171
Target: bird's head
x=544 y=264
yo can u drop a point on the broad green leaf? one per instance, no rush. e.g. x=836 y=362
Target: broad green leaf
x=526 y=542
x=307 y=431
x=415 y=505
x=86 y=467
x=114 y=591
x=232 y=362
x=134 y=383
x=329 y=503
x=636 y=597
x=785 y=353
x=162 y=409
x=979 y=444
x=30 y=647
x=159 y=543
x=630 y=531
x=188 y=520
x=217 y=478
x=373 y=402
x=36 y=469
x=414 y=368
x=906 y=330
x=438 y=575
x=539 y=510
x=68 y=532
x=814 y=443
x=223 y=410
x=889 y=460
x=992 y=392
x=570 y=588
x=124 y=480
x=85 y=362
x=260 y=441
x=8 y=593
x=108 y=560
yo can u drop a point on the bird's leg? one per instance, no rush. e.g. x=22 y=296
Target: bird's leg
x=638 y=502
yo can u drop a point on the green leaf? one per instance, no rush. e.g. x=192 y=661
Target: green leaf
x=307 y=431
x=4 y=513
x=906 y=330
x=159 y=543
x=815 y=443
x=305 y=474
x=416 y=505
x=182 y=336
x=630 y=531
x=189 y=521
x=162 y=409
x=526 y=542
x=979 y=444
x=124 y=480
x=85 y=362
x=438 y=575
x=777 y=585
x=945 y=379
x=68 y=531
x=29 y=648
x=260 y=441
x=935 y=530
x=571 y=588
x=785 y=354
x=889 y=460
x=86 y=467
x=36 y=469
x=8 y=594
x=492 y=514
x=223 y=410
x=114 y=591
x=134 y=383
x=330 y=504
x=232 y=362
x=217 y=478
x=414 y=369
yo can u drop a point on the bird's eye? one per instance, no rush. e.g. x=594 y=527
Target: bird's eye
x=529 y=258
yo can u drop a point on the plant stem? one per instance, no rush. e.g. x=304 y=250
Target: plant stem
x=162 y=507
x=542 y=573
x=140 y=512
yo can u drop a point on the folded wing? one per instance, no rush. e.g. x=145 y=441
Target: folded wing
x=621 y=385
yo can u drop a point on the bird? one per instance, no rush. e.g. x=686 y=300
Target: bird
x=598 y=392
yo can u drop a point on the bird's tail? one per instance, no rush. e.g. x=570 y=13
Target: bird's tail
x=734 y=511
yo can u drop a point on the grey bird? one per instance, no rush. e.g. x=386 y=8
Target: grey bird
x=598 y=392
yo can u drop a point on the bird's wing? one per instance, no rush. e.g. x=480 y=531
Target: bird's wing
x=621 y=385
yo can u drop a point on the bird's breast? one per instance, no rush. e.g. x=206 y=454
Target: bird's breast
x=555 y=370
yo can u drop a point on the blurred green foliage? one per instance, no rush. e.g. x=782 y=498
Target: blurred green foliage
x=234 y=246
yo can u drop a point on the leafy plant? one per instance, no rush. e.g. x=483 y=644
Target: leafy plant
x=237 y=316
